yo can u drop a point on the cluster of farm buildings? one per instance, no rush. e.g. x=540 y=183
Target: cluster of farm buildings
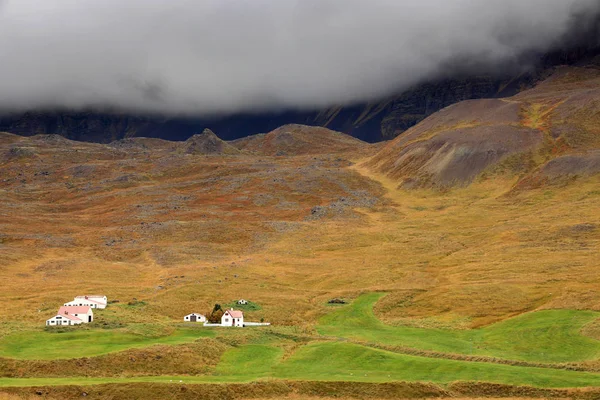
x=230 y=317
x=78 y=311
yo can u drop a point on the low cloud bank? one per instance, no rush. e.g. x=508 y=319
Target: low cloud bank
x=225 y=56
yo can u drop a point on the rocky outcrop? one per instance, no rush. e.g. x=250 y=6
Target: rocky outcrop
x=208 y=143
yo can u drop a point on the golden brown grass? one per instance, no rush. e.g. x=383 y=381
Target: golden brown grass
x=199 y=230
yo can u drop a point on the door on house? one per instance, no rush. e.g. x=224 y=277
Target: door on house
x=89 y=318
x=193 y=318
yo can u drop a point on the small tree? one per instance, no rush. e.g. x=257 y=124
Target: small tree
x=214 y=317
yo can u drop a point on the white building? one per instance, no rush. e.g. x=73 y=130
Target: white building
x=232 y=317
x=93 y=301
x=194 y=317
x=83 y=302
x=242 y=302
x=71 y=316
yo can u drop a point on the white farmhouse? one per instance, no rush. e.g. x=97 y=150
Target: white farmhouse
x=71 y=316
x=194 y=317
x=232 y=317
x=93 y=301
x=242 y=302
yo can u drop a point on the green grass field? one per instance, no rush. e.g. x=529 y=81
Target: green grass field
x=331 y=361
x=43 y=345
x=544 y=336
x=347 y=361
x=249 y=362
x=258 y=354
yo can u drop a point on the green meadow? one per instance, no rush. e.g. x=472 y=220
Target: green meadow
x=75 y=343
x=335 y=361
x=552 y=336
x=344 y=351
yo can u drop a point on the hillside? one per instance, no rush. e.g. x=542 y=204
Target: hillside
x=550 y=127
x=465 y=250
x=282 y=208
x=300 y=140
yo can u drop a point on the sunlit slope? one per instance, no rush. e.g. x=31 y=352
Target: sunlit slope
x=294 y=222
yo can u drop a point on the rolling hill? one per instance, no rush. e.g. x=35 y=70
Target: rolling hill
x=552 y=128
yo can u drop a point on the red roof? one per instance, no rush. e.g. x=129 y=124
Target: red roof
x=235 y=313
x=68 y=316
x=74 y=310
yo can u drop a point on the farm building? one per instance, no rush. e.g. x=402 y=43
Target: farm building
x=70 y=315
x=232 y=317
x=83 y=302
x=98 y=301
x=194 y=317
x=242 y=302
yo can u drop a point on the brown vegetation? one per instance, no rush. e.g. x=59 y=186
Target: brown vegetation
x=180 y=231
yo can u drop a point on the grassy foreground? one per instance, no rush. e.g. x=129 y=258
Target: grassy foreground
x=544 y=336
x=330 y=361
x=42 y=345
x=263 y=355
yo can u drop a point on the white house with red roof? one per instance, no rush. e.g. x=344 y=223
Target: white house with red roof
x=71 y=315
x=232 y=317
x=93 y=301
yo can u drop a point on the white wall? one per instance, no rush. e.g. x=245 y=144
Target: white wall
x=199 y=318
x=82 y=302
x=54 y=321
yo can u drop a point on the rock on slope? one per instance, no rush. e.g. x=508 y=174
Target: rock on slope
x=452 y=147
x=208 y=143
x=300 y=140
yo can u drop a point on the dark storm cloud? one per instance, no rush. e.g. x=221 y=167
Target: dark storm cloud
x=220 y=56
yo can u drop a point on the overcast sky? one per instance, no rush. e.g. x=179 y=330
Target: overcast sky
x=223 y=56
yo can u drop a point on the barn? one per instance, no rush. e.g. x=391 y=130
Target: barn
x=83 y=302
x=91 y=300
x=194 y=317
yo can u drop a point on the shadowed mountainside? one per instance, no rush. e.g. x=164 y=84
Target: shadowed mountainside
x=381 y=119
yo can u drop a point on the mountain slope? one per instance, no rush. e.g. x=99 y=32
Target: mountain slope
x=452 y=147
